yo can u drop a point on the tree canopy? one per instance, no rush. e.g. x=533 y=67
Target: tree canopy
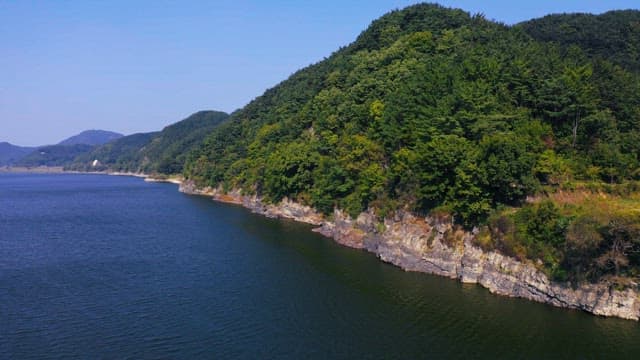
x=441 y=95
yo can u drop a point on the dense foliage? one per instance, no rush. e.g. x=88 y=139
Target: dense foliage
x=613 y=36
x=431 y=108
x=577 y=235
x=424 y=98
x=157 y=152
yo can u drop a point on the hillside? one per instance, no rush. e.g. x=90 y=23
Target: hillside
x=53 y=155
x=613 y=36
x=157 y=152
x=11 y=154
x=60 y=154
x=436 y=111
x=91 y=137
x=122 y=154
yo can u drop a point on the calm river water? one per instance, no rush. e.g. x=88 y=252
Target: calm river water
x=95 y=266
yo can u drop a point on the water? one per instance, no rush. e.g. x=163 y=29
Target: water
x=98 y=266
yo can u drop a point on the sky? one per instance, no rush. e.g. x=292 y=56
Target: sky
x=137 y=66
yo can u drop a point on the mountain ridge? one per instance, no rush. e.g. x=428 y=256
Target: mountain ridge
x=155 y=152
x=613 y=35
x=91 y=137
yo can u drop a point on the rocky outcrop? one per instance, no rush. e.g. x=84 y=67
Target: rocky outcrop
x=165 y=179
x=435 y=246
x=285 y=209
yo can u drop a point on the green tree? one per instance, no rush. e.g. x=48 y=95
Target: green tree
x=508 y=161
x=581 y=94
x=437 y=165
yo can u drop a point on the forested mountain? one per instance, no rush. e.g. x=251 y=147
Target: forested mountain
x=157 y=152
x=92 y=137
x=434 y=110
x=11 y=154
x=613 y=36
x=53 y=155
x=123 y=154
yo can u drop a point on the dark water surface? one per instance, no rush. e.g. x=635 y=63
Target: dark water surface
x=98 y=266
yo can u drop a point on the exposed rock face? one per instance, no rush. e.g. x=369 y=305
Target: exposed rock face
x=285 y=209
x=434 y=246
x=189 y=187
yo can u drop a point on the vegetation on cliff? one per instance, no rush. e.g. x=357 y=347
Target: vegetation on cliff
x=434 y=109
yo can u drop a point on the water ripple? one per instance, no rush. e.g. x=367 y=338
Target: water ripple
x=112 y=267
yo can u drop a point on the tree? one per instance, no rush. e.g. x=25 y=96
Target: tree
x=581 y=95
x=437 y=165
x=508 y=160
x=552 y=168
x=622 y=237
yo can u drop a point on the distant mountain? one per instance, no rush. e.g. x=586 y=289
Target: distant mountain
x=122 y=154
x=11 y=154
x=54 y=155
x=92 y=137
x=164 y=152
x=167 y=152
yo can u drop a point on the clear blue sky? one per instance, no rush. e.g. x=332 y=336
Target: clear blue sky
x=134 y=66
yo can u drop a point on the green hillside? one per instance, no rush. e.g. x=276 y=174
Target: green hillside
x=157 y=152
x=614 y=36
x=431 y=109
x=54 y=155
x=122 y=154
x=11 y=154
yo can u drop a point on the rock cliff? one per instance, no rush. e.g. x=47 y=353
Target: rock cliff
x=435 y=246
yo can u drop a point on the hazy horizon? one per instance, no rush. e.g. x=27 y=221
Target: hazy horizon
x=129 y=68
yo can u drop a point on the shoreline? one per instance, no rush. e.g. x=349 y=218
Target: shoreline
x=60 y=170
x=428 y=245
x=435 y=246
x=32 y=170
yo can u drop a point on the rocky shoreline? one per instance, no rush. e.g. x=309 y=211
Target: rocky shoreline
x=435 y=246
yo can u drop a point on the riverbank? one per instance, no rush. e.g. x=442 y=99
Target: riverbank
x=174 y=179
x=61 y=170
x=33 y=170
x=425 y=244
x=435 y=246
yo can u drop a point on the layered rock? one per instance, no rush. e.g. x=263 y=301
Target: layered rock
x=435 y=246
x=285 y=209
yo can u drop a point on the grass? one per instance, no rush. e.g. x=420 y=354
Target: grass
x=601 y=201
